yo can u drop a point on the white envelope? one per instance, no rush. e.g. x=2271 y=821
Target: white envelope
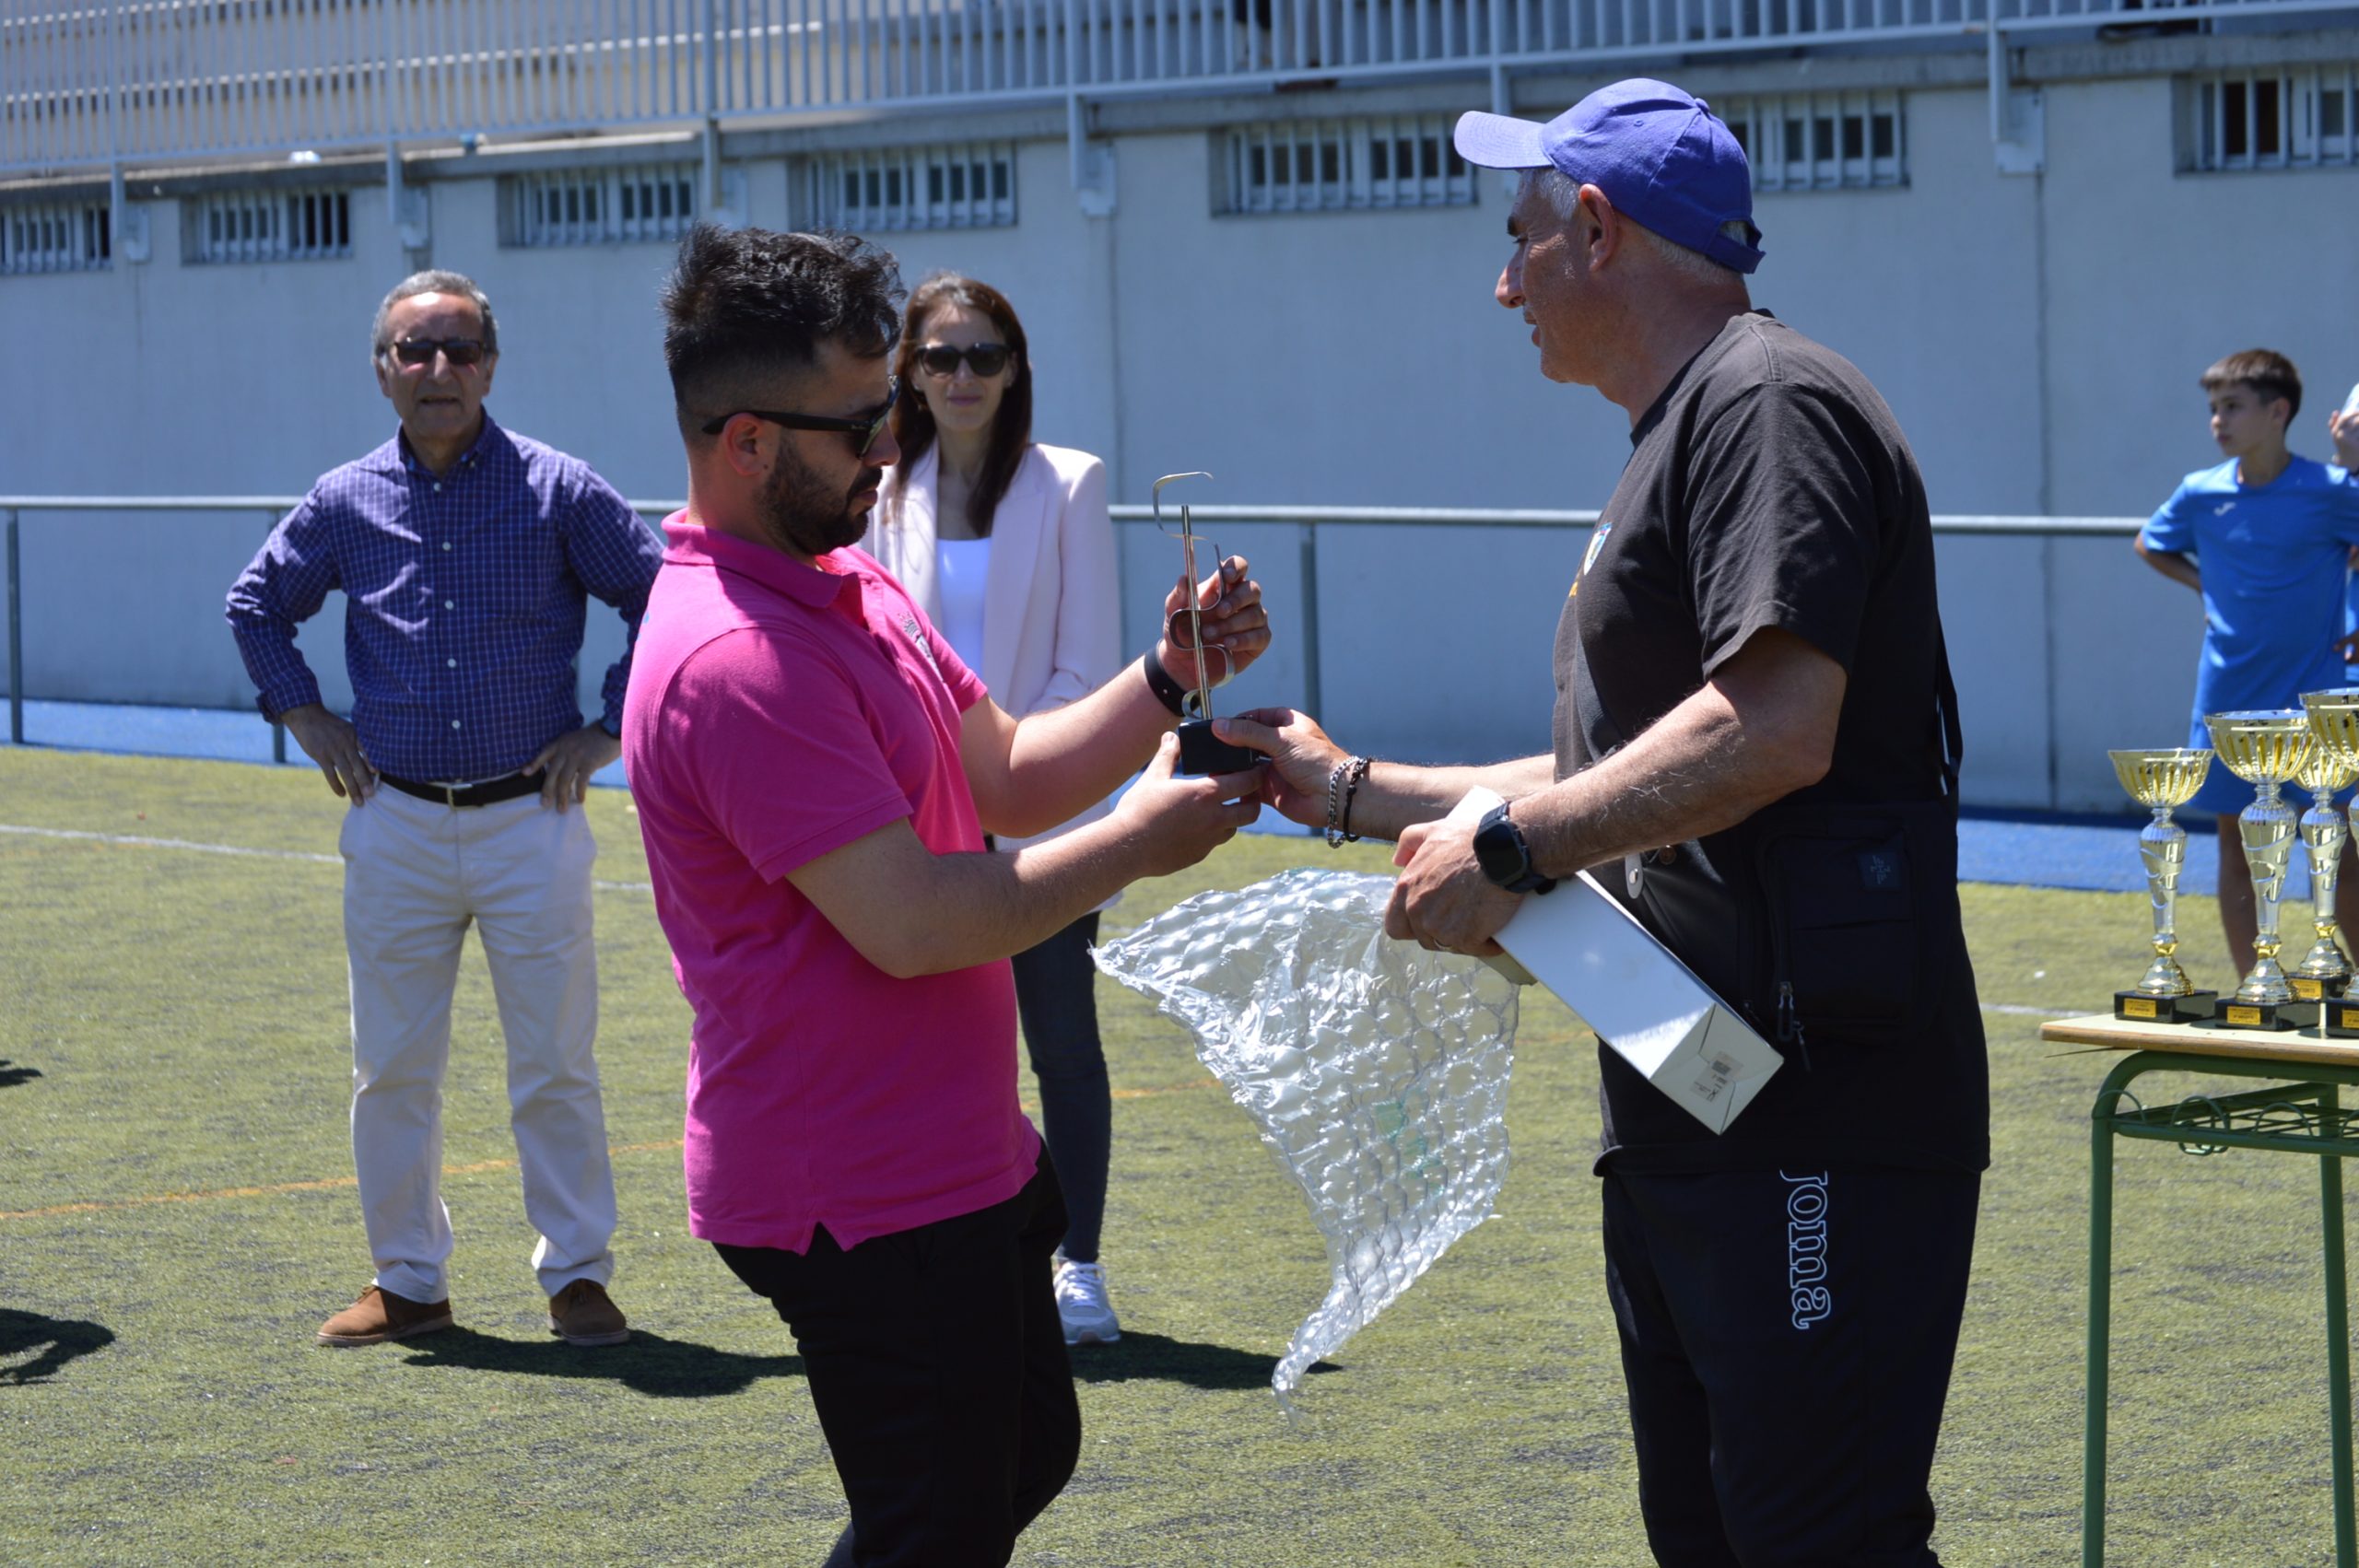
x=1584 y=946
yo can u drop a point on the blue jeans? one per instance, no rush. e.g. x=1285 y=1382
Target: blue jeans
x=1056 y=1000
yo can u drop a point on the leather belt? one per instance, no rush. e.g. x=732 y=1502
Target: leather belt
x=491 y=793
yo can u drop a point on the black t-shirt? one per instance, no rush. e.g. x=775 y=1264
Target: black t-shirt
x=1770 y=486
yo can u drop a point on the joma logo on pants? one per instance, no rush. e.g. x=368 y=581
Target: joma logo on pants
x=1806 y=1248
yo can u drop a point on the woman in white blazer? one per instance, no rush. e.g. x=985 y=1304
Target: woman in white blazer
x=1008 y=545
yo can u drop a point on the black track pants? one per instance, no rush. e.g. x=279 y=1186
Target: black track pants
x=1787 y=1339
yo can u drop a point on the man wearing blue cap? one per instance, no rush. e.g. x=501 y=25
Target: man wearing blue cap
x=1755 y=731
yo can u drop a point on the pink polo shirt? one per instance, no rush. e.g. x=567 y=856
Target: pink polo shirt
x=776 y=713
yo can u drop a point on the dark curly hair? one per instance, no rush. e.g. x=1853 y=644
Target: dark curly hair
x=742 y=305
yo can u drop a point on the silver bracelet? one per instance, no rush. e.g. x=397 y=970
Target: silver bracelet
x=1341 y=785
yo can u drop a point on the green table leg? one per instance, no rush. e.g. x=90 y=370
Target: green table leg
x=2337 y=1348
x=2100 y=1311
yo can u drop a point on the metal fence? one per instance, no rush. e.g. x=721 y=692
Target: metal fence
x=103 y=82
x=1327 y=619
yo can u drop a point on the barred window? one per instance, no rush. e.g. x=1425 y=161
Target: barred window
x=269 y=225
x=2302 y=118
x=967 y=185
x=62 y=237
x=599 y=206
x=1825 y=141
x=1342 y=165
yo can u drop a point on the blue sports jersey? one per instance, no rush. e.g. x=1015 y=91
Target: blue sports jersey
x=2274 y=558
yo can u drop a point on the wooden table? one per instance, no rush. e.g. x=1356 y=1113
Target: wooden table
x=2303 y=1117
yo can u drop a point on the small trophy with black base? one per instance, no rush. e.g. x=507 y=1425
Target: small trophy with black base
x=2162 y=781
x=1201 y=751
x=2266 y=749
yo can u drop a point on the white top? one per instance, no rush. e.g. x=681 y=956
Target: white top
x=961 y=568
x=1053 y=607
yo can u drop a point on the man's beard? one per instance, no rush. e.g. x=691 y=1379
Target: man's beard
x=802 y=515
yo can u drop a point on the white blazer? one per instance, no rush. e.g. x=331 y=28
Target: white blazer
x=1052 y=609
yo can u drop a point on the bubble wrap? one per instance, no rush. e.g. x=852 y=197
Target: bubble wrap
x=1376 y=1071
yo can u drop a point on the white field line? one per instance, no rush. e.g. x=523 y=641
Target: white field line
x=144 y=843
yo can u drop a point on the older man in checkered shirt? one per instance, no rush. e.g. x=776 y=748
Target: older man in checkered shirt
x=464 y=553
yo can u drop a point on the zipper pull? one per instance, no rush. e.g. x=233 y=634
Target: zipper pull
x=1789 y=1023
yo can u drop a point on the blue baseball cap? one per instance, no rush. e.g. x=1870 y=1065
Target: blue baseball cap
x=1662 y=157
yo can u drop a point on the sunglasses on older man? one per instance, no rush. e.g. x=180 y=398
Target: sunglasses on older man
x=864 y=427
x=460 y=351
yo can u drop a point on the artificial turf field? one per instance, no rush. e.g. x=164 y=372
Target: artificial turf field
x=177 y=1216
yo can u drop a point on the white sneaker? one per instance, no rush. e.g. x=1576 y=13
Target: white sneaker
x=1081 y=1303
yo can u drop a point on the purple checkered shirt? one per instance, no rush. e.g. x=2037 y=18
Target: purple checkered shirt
x=465 y=599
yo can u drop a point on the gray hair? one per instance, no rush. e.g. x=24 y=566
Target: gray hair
x=1563 y=195
x=433 y=281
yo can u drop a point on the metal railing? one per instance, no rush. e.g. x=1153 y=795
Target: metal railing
x=103 y=82
x=1307 y=521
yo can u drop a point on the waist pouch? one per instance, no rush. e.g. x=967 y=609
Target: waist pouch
x=1833 y=919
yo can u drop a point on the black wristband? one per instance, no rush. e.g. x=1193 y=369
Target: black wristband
x=1168 y=692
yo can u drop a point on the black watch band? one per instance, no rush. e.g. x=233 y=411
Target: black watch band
x=1168 y=692
x=1504 y=856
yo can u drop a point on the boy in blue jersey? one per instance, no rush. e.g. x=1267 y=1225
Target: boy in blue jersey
x=2264 y=537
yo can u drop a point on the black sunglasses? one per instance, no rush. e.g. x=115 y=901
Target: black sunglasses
x=459 y=351
x=942 y=358
x=867 y=426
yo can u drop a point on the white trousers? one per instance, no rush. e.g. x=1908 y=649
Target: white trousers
x=415 y=874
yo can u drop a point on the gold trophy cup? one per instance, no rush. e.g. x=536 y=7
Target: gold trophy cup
x=2325 y=971
x=2267 y=749
x=2162 y=781
x=2334 y=720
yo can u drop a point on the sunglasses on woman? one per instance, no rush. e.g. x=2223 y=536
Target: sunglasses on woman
x=460 y=351
x=941 y=359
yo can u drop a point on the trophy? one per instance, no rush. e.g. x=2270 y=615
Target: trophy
x=1201 y=751
x=2334 y=720
x=2266 y=749
x=2162 y=781
x=2326 y=971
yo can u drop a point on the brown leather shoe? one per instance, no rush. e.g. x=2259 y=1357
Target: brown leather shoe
x=380 y=1314
x=583 y=1313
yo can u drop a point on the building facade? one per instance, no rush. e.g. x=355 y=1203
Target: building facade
x=1238 y=246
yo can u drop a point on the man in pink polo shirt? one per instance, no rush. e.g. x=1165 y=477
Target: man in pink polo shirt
x=815 y=771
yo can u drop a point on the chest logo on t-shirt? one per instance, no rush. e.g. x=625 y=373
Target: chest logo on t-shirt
x=917 y=635
x=1589 y=557
x=2223 y=509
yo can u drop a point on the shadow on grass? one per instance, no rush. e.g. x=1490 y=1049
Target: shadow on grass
x=12 y=1075
x=57 y=1341
x=1136 y=1356
x=647 y=1364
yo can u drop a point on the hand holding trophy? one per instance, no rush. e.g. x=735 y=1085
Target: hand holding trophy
x=2162 y=781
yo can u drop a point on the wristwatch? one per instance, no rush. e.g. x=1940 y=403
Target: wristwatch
x=1506 y=859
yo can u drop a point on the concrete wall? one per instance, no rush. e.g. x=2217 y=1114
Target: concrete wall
x=2039 y=338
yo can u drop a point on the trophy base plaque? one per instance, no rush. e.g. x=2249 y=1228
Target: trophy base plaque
x=2137 y=1006
x=2310 y=988
x=1202 y=752
x=2342 y=1019
x=2230 y=1013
